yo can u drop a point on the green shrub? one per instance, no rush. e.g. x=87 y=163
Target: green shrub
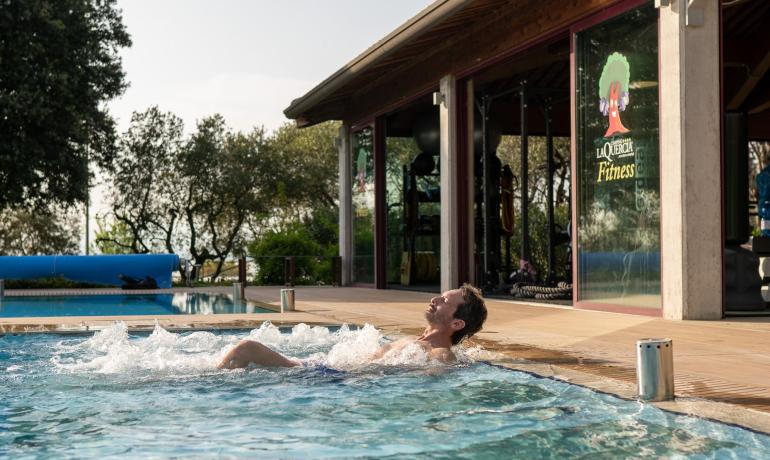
x=55 y=282
x=270 y=250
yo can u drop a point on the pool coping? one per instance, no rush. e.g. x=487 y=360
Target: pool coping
x=715 y=411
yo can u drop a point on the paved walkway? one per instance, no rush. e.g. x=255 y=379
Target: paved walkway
x=720 y=361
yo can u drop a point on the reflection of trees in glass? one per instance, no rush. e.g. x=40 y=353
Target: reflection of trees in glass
x=509 y=153
x=363 y=248
x=401 y=151
x=604 y=227
x=363 y=206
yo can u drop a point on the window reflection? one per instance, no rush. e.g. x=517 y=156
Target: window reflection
x=618 y=157
x=363 y=206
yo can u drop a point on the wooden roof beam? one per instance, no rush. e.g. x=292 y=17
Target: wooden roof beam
x=755 y=76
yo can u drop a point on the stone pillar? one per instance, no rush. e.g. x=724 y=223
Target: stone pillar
x=450 y=277
x=346 y=203
x=690 y=158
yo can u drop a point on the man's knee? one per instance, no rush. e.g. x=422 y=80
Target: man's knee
x=248 y=346
x=239 y=354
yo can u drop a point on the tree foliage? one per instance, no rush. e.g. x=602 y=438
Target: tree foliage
x=39 y=231
x=270 y=250
x=112 y=238
x=509 y=153
x=304 y=166
x=205 y=196
x=226 y=178
x=189 y=196
x=144 y=183
x=59 y=63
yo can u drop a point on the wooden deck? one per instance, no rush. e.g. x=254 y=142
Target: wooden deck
x=718 y=364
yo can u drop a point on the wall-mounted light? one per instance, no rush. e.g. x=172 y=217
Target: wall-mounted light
x=693 y=13
x=438 y=98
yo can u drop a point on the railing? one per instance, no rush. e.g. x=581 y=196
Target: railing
x=288 y=270
x=302 y=269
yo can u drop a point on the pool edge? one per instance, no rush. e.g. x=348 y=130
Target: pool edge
x=730 y=414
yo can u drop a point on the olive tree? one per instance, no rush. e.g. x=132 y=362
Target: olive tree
x=189 y=196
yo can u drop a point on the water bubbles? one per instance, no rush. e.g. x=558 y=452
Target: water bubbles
x=354 y=349
x=113 y=351
x=165 y=354
x=115 y=335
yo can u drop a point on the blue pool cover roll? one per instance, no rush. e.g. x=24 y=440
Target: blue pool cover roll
x=92 y=269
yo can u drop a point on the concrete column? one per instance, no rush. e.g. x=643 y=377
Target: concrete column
x=450 y=276
x=690 y=153
x=346 y=202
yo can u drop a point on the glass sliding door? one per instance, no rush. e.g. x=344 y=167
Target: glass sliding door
x=413 y=198
x=363 y=206
x=617 y=150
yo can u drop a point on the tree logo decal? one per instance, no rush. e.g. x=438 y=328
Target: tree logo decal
x=613 y=91
x=361 y=169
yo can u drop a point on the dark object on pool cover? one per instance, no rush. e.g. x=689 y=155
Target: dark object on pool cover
x=134 y=283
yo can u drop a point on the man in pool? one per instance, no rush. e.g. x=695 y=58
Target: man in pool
x=451 y=316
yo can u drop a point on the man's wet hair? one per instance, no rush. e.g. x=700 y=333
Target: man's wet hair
x=473 y=311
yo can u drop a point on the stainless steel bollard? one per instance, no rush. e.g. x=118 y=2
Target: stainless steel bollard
x=287 y=300
x=237 y=292
x=655 y=369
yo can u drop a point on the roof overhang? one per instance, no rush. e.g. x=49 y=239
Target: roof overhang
x=386 y=48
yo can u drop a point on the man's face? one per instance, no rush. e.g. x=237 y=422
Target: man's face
x=442 y=308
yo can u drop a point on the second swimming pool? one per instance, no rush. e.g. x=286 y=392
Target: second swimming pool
x=119 y=305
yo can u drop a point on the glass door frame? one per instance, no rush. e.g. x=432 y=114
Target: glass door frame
x=605 y=15
x=355 y=130
x=380 y=206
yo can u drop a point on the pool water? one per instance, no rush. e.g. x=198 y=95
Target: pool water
x=161 y=395
x=130 y=304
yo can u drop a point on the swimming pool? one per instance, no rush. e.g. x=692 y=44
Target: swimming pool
x=179 y=303
x=115 y=394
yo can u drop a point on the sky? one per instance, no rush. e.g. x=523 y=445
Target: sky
x=244 y=59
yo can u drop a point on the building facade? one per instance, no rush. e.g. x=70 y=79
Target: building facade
x=579 y=141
